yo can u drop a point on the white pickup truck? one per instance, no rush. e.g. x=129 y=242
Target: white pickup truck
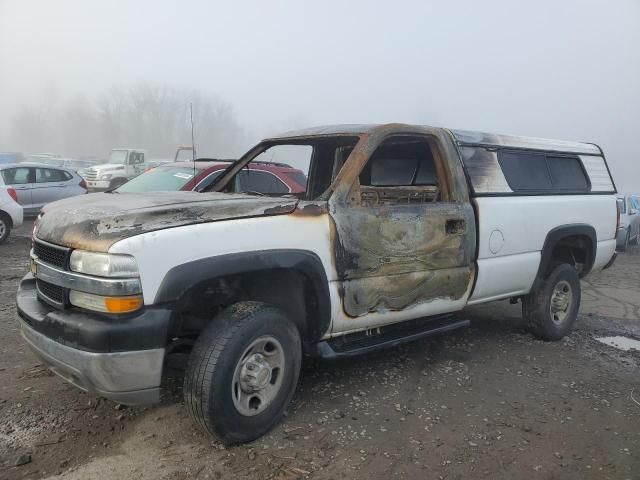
x=123 y=165
x=401 y=227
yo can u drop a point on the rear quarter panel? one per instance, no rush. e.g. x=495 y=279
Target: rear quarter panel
x=512 y=231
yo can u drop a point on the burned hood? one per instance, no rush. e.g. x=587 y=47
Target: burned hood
x=96 y=221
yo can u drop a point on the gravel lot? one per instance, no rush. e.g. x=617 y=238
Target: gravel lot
x=486 y=402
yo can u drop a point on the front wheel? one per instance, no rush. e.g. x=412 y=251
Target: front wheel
x=243 y=371
x=551 y=308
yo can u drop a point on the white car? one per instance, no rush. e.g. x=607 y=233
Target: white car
x=10 y=212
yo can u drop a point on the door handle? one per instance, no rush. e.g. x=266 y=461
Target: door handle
x=455 y=226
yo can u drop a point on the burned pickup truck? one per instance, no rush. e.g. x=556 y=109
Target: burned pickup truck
x=399 y=229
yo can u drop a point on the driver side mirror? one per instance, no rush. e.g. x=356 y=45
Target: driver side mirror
x=633 y=211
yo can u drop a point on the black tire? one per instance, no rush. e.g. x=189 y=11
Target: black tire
x=117 y=182
x=210 y=378
x=541 y=316
x=5 y=227
x=625 y=245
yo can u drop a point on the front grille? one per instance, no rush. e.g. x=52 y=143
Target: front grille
x=51 y=254
x=91 y=175
x=51 y=292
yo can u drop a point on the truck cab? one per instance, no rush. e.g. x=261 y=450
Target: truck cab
x=123 y=165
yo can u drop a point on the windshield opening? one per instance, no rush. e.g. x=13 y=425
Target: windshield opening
x=159 y=179
x=118 y=157
x=303 y=167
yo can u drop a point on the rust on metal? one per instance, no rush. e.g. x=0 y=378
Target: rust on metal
x=311 y=209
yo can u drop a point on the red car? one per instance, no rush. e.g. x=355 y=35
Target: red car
x=266 y=178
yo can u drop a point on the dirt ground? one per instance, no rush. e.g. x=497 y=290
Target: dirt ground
x=485 y=402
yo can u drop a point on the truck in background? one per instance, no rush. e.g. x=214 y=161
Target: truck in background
x=123 y=165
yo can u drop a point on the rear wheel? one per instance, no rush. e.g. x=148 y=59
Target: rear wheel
x=117 y=182
x=551 y=308
x=243 y=371
x=5 y=227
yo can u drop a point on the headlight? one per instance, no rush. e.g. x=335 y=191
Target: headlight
x=103 y=264
x=105 y=304
x=106 y=176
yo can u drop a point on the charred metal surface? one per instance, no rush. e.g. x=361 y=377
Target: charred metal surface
x=95 y=222
x=396 y=292
x=311 y=209
x=278 y=210
x=386 y=251
x=398 y=247
x=484 y=170
x=464 y=137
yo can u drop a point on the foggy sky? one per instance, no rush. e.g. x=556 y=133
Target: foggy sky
x=567 y=70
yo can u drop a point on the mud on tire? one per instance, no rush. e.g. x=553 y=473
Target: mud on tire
x=551 y=307
x=243 y=371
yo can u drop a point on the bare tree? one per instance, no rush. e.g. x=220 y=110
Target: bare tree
x=150 y=116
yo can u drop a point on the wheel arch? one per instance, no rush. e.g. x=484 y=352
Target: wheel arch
x=294 y=280
x=7 y=217
x=563 y=236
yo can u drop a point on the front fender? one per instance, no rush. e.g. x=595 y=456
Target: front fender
x=181 y=278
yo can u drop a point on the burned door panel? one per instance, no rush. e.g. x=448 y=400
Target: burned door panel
x=403 y=238
x=397 y=292
x=392 y=257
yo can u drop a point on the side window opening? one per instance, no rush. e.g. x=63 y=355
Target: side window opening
x=208 y=181
x=525 y=171
x=48 y=175
x=251 y=180
x=567 y=173
x=341 y=155
x=16 y=176
x=401 y=170
x=537 y=172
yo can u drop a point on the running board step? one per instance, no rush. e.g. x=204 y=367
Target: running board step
x=388 y=336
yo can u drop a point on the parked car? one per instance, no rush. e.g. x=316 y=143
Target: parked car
x=37 y=185
x=629 y=228
x=400 y=228
x=11 y=215
x=266 y=178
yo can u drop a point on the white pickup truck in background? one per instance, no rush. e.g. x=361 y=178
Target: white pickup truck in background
x=123 y=165
x=400 y=228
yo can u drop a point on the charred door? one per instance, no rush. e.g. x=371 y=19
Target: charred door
x=405 y=235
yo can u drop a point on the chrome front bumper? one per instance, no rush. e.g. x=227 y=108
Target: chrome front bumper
x=130 y=378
